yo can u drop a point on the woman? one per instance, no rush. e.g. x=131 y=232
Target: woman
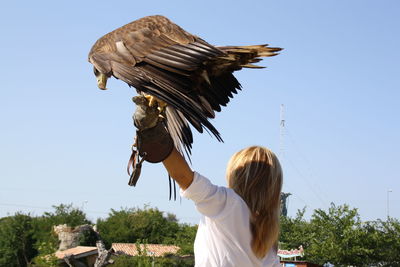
x=240 y=223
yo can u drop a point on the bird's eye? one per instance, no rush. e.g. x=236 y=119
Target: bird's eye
x=96 y=72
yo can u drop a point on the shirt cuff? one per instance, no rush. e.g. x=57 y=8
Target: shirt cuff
x=194 y=187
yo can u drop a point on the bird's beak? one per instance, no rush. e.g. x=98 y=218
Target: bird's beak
x=102 y=81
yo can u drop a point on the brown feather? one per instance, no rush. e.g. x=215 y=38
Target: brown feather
x=194 y=78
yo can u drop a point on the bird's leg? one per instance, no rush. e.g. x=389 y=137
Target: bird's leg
x=154 y=101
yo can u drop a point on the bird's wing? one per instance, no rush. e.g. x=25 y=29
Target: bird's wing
x=159 y=58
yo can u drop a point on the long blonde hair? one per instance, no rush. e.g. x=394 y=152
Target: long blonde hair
x=255 y=174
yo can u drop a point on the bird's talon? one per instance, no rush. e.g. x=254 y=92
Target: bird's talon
x=152 y=100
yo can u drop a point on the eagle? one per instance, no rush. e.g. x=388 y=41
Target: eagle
x=181 y=74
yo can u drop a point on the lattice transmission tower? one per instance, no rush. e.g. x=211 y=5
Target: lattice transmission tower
x=284 y=196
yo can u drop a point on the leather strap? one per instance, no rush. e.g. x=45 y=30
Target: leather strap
x=136 y=165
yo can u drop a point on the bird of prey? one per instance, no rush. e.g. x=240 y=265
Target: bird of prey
x=186 y=77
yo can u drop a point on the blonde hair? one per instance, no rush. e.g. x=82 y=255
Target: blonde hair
x=255 y=174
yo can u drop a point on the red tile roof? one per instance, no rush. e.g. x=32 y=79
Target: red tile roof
x=155 y=250
x=78 y=252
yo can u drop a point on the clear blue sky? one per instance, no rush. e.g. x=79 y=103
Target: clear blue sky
x=64 y=141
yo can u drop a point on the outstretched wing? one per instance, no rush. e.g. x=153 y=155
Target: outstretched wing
x=159 y=58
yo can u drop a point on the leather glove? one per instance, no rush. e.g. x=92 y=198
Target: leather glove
x=153 y=141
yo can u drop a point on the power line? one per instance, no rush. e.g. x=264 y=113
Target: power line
x=282 y=132
x=282 y=150
x=45 y=208
x=317 y=188
x=24 y=206
x=308 y=183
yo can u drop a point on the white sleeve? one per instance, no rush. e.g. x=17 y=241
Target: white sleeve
x=210 y=200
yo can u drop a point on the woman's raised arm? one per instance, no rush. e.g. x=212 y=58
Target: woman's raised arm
x=179 y=169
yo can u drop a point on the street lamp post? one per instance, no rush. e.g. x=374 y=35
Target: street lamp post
x=387 y=202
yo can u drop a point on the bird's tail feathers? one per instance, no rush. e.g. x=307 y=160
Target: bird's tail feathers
x=245 y=56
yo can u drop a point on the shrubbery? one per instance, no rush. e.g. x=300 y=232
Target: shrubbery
x=337 y=236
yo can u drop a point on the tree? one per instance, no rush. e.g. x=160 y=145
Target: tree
x=16 y=240
x=145 y=261
x=63 y=214
x=185 y=239
x=294 y=232
x=384 y=241
x=337 y=237
x=129 y=225
x=47 y=240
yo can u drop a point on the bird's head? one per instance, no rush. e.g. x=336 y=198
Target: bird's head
x=101 y=79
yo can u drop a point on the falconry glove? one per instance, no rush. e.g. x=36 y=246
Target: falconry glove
x=152 y=138
x=153 y=142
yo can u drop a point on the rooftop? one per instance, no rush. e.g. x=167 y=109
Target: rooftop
x=78 y=252
x=155 y=250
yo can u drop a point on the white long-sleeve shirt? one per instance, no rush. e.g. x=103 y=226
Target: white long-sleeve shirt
x=223 y=237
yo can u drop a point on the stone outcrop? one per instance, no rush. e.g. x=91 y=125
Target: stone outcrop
x=69 y=237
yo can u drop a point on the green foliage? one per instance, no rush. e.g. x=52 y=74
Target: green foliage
x=171 y=260
x=338 y=236
x=16 y=240
x=24 y=239
x=389 y=245
x=88 y=238
x=46 y=257
x=129 y=225
x=295 y=231
x=63 y=214
x=384 y=240
x=125 y=260
x=145 y=261
x=47 y=241
x=185 y=239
